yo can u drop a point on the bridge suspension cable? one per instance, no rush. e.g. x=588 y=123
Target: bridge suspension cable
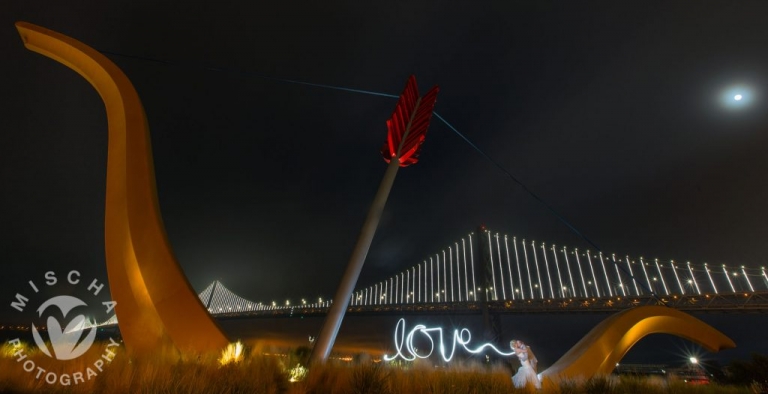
x=483 y=266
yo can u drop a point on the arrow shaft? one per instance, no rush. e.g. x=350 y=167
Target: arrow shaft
x=335 y=315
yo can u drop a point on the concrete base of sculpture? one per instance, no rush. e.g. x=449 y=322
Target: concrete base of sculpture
x=606 y=344
x=156 y=305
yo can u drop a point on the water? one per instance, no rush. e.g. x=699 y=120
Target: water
x=549 y=335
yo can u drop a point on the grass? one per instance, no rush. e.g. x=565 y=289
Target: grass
x=264 y=370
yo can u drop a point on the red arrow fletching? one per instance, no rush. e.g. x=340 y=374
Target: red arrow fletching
x=407 y=128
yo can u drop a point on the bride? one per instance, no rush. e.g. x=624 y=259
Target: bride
x=527 y=371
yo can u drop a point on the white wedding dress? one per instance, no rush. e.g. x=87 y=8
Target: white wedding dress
x=527 y=372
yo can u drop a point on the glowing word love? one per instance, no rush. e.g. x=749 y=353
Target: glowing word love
x=404 y=344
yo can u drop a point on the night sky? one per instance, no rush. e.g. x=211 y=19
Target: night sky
x=612 y=112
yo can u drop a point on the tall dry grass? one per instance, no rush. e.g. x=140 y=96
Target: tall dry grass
x=166 y=371
x=267 y=371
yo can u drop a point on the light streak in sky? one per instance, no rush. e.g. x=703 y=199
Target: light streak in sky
x=405 y=349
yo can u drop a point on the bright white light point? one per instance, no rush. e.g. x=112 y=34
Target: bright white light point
x=737 y=97
x=694 y=360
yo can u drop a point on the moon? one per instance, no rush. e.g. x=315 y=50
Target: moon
x=737 y=97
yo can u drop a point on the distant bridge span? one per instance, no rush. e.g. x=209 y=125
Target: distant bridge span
x=501 y=274
x=711 y=303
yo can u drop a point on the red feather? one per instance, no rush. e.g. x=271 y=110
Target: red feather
x=407 y=128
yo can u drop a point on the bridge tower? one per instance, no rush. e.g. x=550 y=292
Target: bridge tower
x=487 y=289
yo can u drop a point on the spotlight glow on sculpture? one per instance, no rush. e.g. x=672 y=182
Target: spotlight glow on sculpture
x=156 y=304
x=233 y=353
x=404 y=344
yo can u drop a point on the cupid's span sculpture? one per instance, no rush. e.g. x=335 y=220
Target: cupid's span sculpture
x=156 y=305
x=406 y=131
x=607 y=343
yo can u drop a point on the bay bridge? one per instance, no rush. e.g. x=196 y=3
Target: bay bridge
x=491 y=272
